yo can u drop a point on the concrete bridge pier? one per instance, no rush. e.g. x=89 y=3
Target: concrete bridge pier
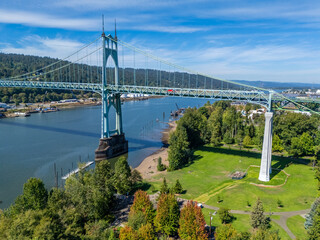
x=265 y=167
x=113 y=142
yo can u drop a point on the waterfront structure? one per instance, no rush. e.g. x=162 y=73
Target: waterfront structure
x=172 y=81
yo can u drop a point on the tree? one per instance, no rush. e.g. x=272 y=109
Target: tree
x=192 y=223
x=314 y=230
x=122 y=176
x=177 y=187
x=258 y=220
x=310 y=216
x=179 y=152
x=225 y=231
x=146 y=232
x=265 y=234
x=215 y=126
x=302 y=146
x=127 y=233
x=135 y=177
x=142 y=204
x=307 y=144
x=247 y=141
x=160 y=166
x=225 y=215
x=167 y=218
x=34 y=197
x=195 y=125
x=277 y=145
x=164 y=187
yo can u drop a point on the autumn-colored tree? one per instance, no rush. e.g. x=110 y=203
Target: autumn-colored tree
x=192 y=223
x=167 y=218
x=142 y=204
x=146 y=232
x=128 y=233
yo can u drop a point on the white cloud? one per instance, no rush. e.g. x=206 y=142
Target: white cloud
x=49 y=47
x=49 y=21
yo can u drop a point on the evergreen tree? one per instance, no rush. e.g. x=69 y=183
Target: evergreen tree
x=167 y=218
x=192 y=223
x=215 y=126
x=310 y=216
x=177 y=187
x=258 y=220
x=122 y=176
x=314 y=230
x=146 y=232
x=178 y=153
x=160 y=166
x=225 y=215
x=164 y=187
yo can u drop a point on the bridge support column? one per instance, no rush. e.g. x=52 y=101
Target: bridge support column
x=265 y=167
x=112 y=142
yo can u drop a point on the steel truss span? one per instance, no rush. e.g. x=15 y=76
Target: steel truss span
x=258 y=97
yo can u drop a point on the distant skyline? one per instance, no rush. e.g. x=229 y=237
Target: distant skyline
x=236 y=40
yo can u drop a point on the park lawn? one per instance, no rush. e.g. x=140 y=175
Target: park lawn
x=296 y=225
x=207 y=179
x=241 y=223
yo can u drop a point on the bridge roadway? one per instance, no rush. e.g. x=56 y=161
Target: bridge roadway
x=253 y=96
x=259 y=97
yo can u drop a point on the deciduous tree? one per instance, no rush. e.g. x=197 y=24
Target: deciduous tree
x=192 y=223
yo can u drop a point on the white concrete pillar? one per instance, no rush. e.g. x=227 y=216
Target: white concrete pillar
x=265 y=167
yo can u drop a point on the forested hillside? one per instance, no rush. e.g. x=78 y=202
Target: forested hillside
x=12 y=65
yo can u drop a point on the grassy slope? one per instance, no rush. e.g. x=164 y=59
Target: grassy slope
x=207 y=178
x=296 y=225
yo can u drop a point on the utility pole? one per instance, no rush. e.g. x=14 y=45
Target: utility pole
x=211 y=215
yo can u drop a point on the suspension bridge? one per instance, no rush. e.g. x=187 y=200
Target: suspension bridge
x=133 y=70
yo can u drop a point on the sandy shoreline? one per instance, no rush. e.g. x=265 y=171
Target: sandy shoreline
x=148 y=167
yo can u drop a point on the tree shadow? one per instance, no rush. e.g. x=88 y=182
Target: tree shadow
x=280 y=164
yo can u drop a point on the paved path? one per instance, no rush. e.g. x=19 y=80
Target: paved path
x=282 y=221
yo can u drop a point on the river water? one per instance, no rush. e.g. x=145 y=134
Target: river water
x=29 y=147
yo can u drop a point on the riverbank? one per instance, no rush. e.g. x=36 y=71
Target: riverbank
x=11 y=113
x=148 y=167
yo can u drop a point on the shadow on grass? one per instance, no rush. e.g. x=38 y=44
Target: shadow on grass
x=280 y=164
x=145 y=186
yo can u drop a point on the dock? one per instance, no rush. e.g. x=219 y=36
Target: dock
x=77 y=170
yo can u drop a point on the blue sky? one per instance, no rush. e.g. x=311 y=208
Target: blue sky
x=250 y=40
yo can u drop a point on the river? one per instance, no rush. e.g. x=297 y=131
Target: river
x=29 y=147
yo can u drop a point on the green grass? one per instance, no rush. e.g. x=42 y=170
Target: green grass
x=241 y=223
x=208 y=177
x=296 y=225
